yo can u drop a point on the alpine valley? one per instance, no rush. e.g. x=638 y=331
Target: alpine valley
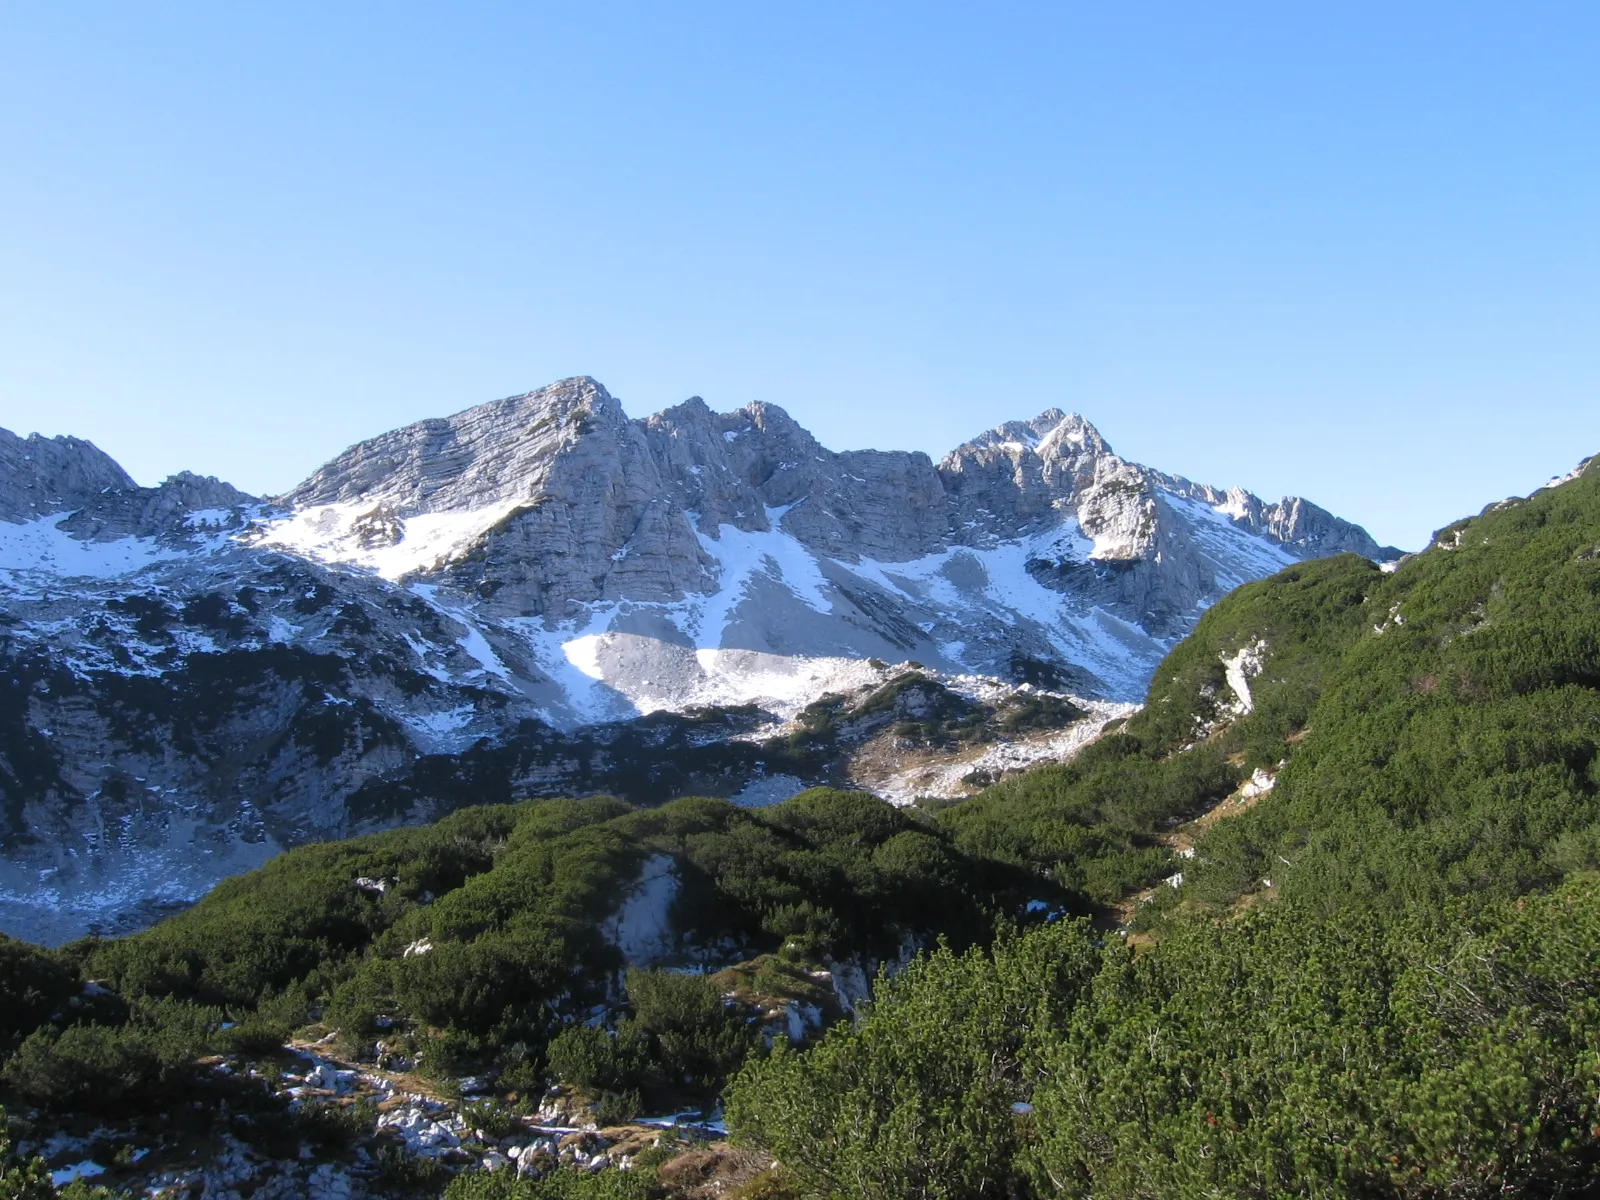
x=1156 y=844
x=541 y=596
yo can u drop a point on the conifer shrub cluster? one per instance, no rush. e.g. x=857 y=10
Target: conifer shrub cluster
x=479 y=941
x=1378 y=981
x=1272 y=1056
x=679 y=1044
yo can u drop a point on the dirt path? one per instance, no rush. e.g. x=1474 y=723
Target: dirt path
x=1180 y=839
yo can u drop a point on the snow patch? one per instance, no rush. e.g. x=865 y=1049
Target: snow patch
x=87 y=1169
x=1576 y=471
x=281 y=631
x=473 y=641
x=334 y=533
x=584 y=654
x=641 y=928
x=768 y=790
x=448 y=721
x=1236 y=506
x=740 y=556
x=1236 y=555
x=588 y=697
x=949 y=779
x=42 y=547
x=1240 y=669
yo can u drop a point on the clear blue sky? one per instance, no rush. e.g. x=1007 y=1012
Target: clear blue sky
x=1350 y=251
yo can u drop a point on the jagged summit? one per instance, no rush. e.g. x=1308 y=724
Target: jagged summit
x=1051 y=432
x=40 y=475
x=564 y=464
x=68 y=486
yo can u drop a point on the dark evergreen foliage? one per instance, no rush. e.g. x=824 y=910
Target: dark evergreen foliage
x=1378 y=981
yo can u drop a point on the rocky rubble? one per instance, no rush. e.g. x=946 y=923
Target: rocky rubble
x=409 y=1121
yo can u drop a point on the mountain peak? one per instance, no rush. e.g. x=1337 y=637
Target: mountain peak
x=40 y=476
x=554 y=499
x=543 y=563
x=485 y=454
x=1052 y=431
x=1072 y=430
x=774 y=420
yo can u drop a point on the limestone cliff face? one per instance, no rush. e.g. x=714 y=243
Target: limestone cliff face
x=1026 y=472
x=496 y=452
x=542 y=595
x=1058 y=463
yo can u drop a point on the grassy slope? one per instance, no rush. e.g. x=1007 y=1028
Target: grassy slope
x=510 y=901
x=1452 y=753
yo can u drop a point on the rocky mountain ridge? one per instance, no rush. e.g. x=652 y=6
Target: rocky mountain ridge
x=488 y=605
x=564 y=468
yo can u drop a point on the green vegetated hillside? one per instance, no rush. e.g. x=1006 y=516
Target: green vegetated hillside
x=488 y=944
x=1382 y=979
x=485 y=930
x=1377 y=978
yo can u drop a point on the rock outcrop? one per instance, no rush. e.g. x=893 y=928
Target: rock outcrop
x=40 y=476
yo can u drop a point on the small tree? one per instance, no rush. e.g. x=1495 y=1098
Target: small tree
x=20 y=1178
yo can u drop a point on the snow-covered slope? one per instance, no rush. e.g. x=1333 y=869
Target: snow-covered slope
x=494 y=603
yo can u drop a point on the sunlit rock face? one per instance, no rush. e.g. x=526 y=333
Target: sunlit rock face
x=478 y=607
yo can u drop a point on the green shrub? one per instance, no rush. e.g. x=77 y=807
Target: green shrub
x=34 y=984
x=916 y=1100
x=330 y=1125
x=566 y=1183
x=617 y=1108
x=599 y=1060
x=401 y=1173
x=695 y=1041
x=90 y=1068
x=679 y=1045
x=1287 y=1057
x=151 y=1057
x=1279 y=1055
x=1410 y=1010
x=20 y=1178
x=491 y=1118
